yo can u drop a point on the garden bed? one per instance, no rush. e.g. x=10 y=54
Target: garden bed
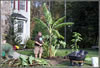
x=59 y=59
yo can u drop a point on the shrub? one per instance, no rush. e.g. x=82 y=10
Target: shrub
x=39 y=27
x=30 y=44
x=21 y=46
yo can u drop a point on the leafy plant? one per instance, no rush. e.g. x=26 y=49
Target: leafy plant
x=88 y=58
x=30 y=60
x=24 y=60
x=52 y=27
x=45 y=46
x=38 y=27
x=30 y=44
x=76 y=38
x=55 y=45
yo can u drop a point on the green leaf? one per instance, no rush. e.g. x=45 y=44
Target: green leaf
x=47 y=14
x=40 y=21
x=58 y=34
x=24 y=59
x=63 y=24
x=60 y=20
x=62 y=43
x=31 y=59
x=88 y=59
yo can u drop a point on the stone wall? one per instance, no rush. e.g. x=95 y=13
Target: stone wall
x=5 y=13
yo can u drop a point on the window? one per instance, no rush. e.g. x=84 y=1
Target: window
x=20 y=26
x=12 y=3
x=22 y=5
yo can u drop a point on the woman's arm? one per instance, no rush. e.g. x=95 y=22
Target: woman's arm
x=38 y=43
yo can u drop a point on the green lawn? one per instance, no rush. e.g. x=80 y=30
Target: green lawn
x=91 y=53
x=64 y=52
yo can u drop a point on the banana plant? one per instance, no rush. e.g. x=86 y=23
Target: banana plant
x=52 y=25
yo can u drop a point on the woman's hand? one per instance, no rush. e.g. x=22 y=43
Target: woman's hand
x=41 y=44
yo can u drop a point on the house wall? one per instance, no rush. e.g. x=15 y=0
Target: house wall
x=26 y=34
x=5 y=13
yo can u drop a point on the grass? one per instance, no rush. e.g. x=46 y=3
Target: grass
x=64 y=52
x=31 y=52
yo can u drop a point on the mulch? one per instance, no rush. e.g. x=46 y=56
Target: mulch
x=57 y=60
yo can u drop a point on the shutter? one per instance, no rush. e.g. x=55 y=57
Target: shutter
x=14 y=4
x=26 y=5
x=18 y=4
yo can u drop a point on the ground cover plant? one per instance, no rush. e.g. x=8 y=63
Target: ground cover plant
x=24 y=61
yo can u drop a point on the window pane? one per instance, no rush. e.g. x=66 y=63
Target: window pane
x=20 y=26
x=22 y=5
x=12 y=3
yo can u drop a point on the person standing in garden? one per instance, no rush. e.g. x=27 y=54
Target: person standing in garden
x=38 y=45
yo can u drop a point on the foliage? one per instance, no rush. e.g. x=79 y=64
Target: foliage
x=76 y=38
x=21 y=46
x=25 y=61
x=85 y=16
x=52 y=27
x=55 y=45
x=45 y=46
x=60 y=52
x=30 y=44
x=38 y=27
x=88 y=58
x=30 y=60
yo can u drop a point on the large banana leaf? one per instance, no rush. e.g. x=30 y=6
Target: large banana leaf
x=31 y=58
x=58 y=34
x=47 y=14
x=63 y=24
x=24 y=60
x=40 y=21
x=59 y=21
